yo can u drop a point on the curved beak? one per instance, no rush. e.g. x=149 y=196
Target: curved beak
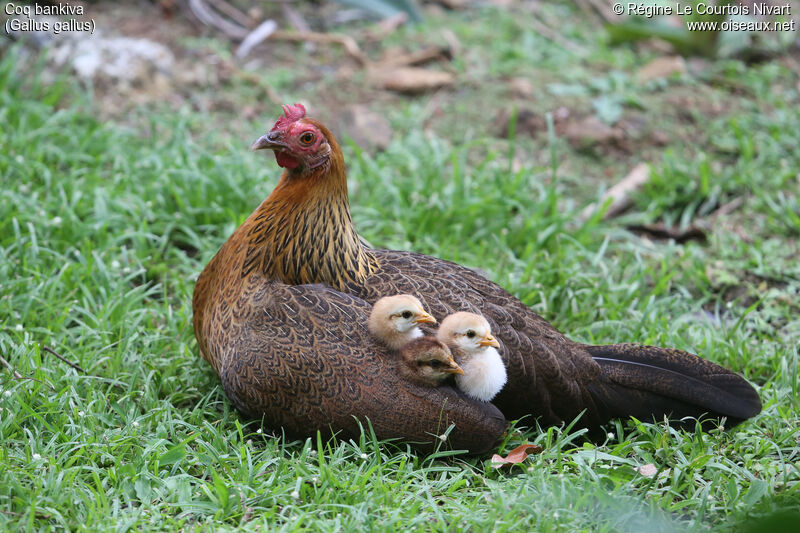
x=269 y=141
x=424 y=318
x=488 y=340
x=453 y=368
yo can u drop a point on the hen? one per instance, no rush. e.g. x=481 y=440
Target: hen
x=280 y=313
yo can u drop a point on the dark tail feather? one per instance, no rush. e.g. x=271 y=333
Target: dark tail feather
x=647 y=381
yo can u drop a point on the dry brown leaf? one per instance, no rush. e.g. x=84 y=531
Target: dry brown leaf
x=522 y=88
x=662 y=67
x=410 y=80
x=515 y=456
x=400 y=58
x=591 y=131
x=452 y=42
x=368 y=129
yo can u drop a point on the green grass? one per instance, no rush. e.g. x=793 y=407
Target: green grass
x=104 y=226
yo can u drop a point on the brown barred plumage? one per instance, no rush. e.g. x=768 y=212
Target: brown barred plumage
x=281 y=312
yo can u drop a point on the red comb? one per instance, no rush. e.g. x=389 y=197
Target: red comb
x=293 y=114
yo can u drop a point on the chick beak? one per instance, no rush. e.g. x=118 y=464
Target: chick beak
x=268 y=141
x=488 y=340
x=424 y=318
x=453 y=368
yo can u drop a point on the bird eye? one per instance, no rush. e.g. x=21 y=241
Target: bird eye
x=471 y=334
x=307 y=138
x=435 y=363
x=406 y=314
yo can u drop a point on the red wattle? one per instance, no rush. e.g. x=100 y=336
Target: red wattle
x=285 y=160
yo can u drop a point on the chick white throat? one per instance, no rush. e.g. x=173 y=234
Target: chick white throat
x=484 y=374
x=469 y=336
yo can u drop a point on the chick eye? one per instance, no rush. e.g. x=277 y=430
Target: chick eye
x=470 y=334
x=406 y=314
x=435 y=363
x=307 y=138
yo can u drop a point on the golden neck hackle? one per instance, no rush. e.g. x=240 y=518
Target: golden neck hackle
x=303 y=232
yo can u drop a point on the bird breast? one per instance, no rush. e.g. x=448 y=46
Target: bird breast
x=484 y=375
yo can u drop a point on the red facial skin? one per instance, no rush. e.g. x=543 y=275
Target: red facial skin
x=300 y=144
x=295 y=136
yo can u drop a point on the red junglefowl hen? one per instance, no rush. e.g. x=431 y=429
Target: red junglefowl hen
x=281 y=313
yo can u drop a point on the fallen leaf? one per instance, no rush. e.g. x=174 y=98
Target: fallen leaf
x=368 y=129
x=452 y=42
x=648 y=470
x=522 y=88
x=515 y=456
x=591 y=131
x=410 y=80
x=662 y=67
x=394 y=57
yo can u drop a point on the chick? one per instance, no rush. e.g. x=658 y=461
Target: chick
x=469 y=338
x=428 y=362
x=395 y=320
